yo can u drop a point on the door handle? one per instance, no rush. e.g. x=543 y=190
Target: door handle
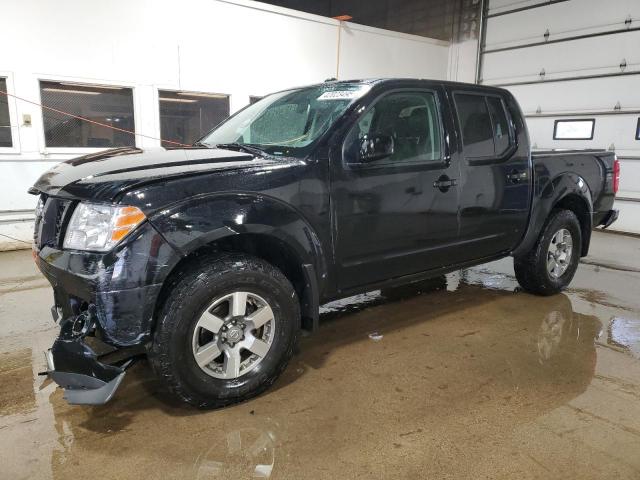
x=516 y=177
x=444 y=183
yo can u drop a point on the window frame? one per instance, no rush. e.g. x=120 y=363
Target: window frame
x=513 y=138
x=425 y=164
x=157 y=94
x=566 y=120
x=13 y=116
x=90 y=83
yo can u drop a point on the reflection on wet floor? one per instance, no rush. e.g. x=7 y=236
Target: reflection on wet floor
x=243 y=453
x=459 y=377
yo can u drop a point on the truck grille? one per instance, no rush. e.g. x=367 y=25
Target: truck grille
x=50 y=221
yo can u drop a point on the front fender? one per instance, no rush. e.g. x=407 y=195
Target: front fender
x=202 y=220
x=549 y=192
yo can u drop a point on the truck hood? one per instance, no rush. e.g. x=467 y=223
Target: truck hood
x=103 y=176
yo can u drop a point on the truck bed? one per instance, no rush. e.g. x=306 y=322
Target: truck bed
x=592 y=166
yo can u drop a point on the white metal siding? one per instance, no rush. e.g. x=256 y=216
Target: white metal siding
x=589 y=56
x=532 y=72
x=562 y=19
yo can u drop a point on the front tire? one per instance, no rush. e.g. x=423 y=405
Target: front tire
x=550 y=265
x=226 y=331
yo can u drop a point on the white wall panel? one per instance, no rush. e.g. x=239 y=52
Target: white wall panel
x=371 y=52
x=575 y=17
x=462 y=61
x=17 y=177
x=254 y=51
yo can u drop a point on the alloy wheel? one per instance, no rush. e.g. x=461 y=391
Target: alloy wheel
x=233 y=335
x=559 y=253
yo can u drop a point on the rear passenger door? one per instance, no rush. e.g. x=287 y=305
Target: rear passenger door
x=495 y=182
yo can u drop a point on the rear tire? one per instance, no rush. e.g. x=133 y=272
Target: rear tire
x=550 y=265
x=226 y=331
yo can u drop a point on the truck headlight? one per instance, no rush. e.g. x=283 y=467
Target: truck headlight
x=100 y=227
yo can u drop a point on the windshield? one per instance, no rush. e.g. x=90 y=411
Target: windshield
x=287 y=123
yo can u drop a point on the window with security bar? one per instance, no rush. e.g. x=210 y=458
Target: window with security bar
x=187 y=116
x=5 y=122
x=106 y=112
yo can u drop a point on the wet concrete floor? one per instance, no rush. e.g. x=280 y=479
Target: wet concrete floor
x=473 y=380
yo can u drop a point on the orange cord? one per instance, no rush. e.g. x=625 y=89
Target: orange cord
x=340 y=18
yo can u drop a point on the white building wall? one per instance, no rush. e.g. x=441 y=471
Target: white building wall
x=611 y=94
x=463 y=57
x=239 y=48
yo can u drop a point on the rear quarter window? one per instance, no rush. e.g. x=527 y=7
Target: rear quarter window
x=500 y=124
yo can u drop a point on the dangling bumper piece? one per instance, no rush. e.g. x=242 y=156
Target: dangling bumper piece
x=74 y=365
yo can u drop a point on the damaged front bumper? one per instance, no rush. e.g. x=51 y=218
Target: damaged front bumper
x=75 y=366
x=102 y=302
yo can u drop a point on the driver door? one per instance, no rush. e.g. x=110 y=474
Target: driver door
x=397 y=215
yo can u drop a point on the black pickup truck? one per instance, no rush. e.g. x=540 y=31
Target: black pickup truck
x=211 y=259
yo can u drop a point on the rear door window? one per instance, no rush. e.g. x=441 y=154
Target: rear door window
x=484 y=125
x=475 y=125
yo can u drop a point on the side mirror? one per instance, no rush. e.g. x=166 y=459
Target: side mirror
x=375 y=147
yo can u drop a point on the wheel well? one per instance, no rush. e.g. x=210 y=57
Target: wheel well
x=580 y=208
x=266 y=247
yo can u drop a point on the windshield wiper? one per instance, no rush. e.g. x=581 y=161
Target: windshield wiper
x=200 y=144
x=242 y=147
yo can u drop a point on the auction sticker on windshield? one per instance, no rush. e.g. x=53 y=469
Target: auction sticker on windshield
x=343 y=94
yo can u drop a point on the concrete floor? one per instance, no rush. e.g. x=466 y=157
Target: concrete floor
x=474 y=381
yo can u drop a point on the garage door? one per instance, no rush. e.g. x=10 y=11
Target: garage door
x=568 y=60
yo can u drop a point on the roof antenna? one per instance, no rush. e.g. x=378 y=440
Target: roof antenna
x=332 y=79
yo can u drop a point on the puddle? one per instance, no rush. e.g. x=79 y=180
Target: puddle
x=625 y=333
x=451 y=282
x=490 y=279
